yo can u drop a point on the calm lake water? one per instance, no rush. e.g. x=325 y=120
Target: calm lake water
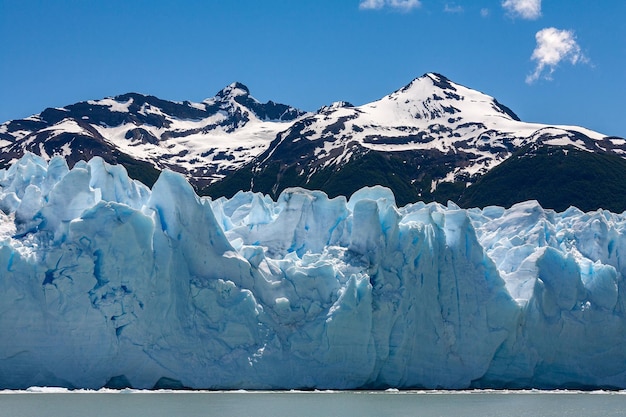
x=312 y=404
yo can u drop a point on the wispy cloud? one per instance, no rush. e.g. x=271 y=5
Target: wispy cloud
x=553 y=47
x=484 y=12
x=371 y=4
x=453 y=8
x=526 y=9
x=403 y=5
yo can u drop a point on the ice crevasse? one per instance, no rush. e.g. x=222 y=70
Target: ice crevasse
x=106 y=282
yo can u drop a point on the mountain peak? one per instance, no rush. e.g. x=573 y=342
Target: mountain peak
x=440 y=81
x=436 y=96
x=236 y=98
x=335 y=105
x=427 y=81
x=233 y=90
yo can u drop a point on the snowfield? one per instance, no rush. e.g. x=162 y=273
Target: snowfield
x=103 y=280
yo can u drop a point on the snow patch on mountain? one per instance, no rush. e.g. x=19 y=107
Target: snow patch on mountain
x=112 y=104
x=65 y=126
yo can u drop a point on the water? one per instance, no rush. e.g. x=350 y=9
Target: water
x=312 y=404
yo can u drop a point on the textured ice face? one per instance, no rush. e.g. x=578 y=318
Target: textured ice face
x=103 y=280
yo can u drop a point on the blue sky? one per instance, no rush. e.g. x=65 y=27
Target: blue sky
x=550 y=61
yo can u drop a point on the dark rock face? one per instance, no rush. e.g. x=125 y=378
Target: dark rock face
x=141 y=135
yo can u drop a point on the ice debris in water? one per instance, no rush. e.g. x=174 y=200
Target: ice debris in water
x=105 y=282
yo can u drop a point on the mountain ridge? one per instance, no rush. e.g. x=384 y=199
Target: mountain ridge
x=428 y=140
x=155 y=131
x=446 y=134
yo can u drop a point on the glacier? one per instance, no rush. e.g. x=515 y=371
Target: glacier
x=105 y=282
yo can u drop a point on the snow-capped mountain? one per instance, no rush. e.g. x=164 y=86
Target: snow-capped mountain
x=428 y=140
x=432 y=131
x=205 y=141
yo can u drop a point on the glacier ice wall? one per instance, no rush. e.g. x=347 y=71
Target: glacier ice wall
x=104 y=281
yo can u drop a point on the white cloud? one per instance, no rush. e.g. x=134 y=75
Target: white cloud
x=554 y=46
x=371 y=4
x=484 y=12
x=526 y=9
x=403 y=5
x=453 y=8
